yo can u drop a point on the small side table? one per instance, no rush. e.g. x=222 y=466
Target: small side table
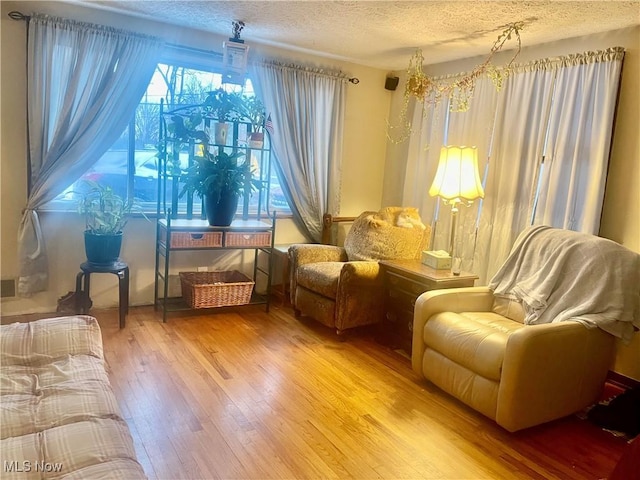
x=281 y=252
x=404 y=282
x=119 y=268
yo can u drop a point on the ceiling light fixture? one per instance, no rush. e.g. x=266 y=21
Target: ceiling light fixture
x=458 y=90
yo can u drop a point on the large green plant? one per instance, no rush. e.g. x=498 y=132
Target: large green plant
x=214 y=175
x=105 y=212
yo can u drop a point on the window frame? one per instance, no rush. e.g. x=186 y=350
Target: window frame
x=186 y=58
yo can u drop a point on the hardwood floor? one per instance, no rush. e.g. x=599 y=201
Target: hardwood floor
x=249 y=395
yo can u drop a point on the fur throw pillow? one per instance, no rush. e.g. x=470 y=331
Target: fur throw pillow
x=392 y=233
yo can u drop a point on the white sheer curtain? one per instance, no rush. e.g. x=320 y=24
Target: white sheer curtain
x=471 y=128
x=427 y=137
x=580 y=128
x=518 y=143
x=433 y=127
x=307 y=110
x=85 y=82
x=567 y=103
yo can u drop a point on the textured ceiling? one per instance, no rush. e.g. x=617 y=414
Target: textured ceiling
x=384 y=34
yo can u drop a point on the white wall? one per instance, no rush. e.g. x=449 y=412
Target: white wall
x=621 y=214
x=364 y=156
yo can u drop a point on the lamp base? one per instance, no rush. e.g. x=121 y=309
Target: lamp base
x=454 y=229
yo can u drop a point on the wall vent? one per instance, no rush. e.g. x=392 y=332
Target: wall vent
x=7 y=288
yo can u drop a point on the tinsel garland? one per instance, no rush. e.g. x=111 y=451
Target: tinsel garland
x=460 y=90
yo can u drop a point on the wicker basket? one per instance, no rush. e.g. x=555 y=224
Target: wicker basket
x=216 y=289
x=252 y=239
x=194 y=239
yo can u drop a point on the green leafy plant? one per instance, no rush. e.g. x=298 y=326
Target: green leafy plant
x=184 y=128
x=253 y=110
x=214 y=174
x=224 y=105
x=105 y=212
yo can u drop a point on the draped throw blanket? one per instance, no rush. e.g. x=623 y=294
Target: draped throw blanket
x=563 y=275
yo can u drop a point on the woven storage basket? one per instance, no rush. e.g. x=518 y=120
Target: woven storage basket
x=216 y=289
x=255 y=239
x=196 y=240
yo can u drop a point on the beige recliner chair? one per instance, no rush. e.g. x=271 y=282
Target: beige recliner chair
x=527 y=348
x=342 y=287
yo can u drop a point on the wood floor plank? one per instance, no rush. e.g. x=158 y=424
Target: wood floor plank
x=242 y=394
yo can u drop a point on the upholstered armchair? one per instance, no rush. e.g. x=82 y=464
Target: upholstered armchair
x=341 y=287
x=535 y=344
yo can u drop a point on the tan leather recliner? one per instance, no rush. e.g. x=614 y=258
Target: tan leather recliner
x=518 y=375
x=476 y=345
x=342 y=287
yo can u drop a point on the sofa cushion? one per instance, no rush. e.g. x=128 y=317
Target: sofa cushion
x=44 y=340
x=321 y=277
x=68 y=390
x=95 y=448
x=475 y=340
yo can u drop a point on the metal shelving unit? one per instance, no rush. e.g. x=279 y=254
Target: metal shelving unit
x=180 y=228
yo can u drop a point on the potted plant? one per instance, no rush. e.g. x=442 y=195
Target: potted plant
x=105 y=213
x=253 y=109
x=186 y=128
x=224 y=106
x=219 y=180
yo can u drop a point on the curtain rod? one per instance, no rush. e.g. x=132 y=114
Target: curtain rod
x=353 y=80
x=15 y=15
x=192 y=49
x=615 y=53
x=317 y=70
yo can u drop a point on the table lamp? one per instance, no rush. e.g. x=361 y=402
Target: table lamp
x=457 y=181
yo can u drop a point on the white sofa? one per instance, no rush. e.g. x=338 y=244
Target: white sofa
x=59 y=417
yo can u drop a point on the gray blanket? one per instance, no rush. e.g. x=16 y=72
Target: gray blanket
x=563 y=275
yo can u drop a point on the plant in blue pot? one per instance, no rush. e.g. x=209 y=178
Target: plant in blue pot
x=219 y=179
x=105 y=213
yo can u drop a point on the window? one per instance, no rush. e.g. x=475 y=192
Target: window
x=130 y=166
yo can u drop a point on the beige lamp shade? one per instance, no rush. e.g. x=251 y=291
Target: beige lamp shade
x=457 y=179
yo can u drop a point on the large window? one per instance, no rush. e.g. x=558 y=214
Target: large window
x=130 y=166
